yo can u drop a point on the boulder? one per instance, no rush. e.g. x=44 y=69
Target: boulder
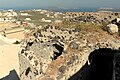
x=73 y=45
x=112 y=28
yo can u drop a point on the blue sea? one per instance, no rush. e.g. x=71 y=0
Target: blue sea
x=19 y=8
x=79 y=10
x=83 y=9
x=88 y=9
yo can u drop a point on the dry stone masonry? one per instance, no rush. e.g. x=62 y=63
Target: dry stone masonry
x=40 y=50
x=94 y=17
x=56 y=53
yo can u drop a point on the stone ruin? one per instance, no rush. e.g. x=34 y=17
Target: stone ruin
x=56 y=53
x=92 y=17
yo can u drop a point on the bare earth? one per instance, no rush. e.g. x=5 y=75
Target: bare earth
x=7 y=25
x=18 y=35
x=9 y=59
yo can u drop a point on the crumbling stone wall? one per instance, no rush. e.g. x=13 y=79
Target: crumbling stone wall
x=44 y=47
x=55 y=53
x=93 y=16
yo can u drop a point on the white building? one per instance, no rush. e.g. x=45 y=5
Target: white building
x=10 y=14
x=1 y=19
x=57 y=21
x=44 y=20
x=48 y=15
x=38 y=10
x=24 y=14
x=28 y=19
x=14 y=13
x=0 y=14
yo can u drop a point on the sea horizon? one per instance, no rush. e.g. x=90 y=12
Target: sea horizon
x=82 y=9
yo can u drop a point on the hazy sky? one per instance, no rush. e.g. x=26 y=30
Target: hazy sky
x=60 y=3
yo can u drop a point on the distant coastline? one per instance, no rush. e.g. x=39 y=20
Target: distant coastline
x=83 y=9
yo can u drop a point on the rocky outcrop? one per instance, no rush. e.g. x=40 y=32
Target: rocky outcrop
x=93 y=17
x=85 y=19
x=44 y=47
x=56 y=53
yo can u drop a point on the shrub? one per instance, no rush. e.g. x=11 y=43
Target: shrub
x=17 y=42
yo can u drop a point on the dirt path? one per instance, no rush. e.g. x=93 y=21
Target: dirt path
x=9 y=59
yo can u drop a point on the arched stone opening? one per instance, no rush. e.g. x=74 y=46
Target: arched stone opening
x=104 y=64
x=101 y=64
x=60 y=50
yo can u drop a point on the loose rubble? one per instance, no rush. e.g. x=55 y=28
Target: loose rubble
x=56 y=53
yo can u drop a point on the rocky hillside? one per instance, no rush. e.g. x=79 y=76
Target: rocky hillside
x=57 y=53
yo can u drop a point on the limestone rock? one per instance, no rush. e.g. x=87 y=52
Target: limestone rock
x=62 y=69
x=112 y=28
x=73 y=45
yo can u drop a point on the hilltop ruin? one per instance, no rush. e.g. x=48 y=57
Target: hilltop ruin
x=56 y=53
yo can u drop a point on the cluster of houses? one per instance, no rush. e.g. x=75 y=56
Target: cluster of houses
x=8 y=16
x=51 y=15
x=13 y=16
